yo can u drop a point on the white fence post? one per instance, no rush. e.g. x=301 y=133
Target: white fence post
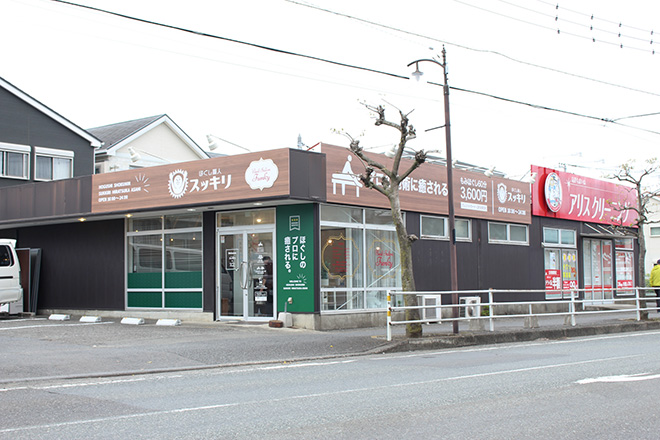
x=572 y=307
x=389 y=316
x=491 y=322
x=637 y=302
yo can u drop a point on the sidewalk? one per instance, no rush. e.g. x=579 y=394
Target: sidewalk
x=39 y=349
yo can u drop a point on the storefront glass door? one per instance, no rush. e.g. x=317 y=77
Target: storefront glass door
x=245 y=274
x=598 y=280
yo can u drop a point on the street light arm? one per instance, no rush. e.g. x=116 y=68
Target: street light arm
x=427 y=59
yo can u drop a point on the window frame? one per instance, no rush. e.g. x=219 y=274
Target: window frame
x=508 y=239
x=52 y=154
x=16 y=149
x=559 y=242
x=444 y=237
x=168 y=265
x=356 y=298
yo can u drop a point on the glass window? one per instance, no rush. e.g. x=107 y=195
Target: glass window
x=506 y=233
x=183 y=221
x=518 y=233
x=52 y=164
x=438 y=228
x=5 y=256
x=44 y=168
x=378 y=217
x=14 y=160
x=463 y=230
x=145 y=254
x=164 y=265
x=383 y=262
x=568 y=237
x=559 y=236
x=14 y=164
x=145 y=224
x=551 y=236
x=433 y=227
x=184 y=252
x=341 y=257
x=497 y=231
x=623 y=243
x=62 y=168
x=360 y=261
x=246 y=218
x=341 y=214
x=655 y=231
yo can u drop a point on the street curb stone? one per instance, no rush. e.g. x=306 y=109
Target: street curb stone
x=465 y=339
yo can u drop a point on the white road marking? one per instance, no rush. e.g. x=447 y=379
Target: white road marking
x=622 y=378
x=301 y=396
x=299 y=365
x=89 y=384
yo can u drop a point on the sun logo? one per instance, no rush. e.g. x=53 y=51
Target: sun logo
x=501 y=192
x=178 y=183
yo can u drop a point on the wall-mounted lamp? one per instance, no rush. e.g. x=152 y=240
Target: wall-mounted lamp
x=213 y=142
x=134 y=154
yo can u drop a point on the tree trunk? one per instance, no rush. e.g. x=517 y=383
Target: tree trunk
x=641 y=242
x=413 y=330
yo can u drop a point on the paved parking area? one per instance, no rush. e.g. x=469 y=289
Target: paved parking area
x=39 y=348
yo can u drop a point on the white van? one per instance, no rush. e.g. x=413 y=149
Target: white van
x=10 y=272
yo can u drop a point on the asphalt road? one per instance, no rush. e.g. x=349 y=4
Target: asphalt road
x=603 y=387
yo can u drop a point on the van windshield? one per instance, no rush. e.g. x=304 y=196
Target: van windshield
x=5 y=256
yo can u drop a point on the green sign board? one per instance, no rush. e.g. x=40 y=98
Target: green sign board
x=295 y=258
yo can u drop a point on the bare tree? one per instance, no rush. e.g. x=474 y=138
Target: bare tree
x=631 y=173
x=389 y=187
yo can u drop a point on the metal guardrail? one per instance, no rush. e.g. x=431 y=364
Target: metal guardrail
x=639 y=296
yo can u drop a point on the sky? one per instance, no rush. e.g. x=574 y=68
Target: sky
x=533 y=81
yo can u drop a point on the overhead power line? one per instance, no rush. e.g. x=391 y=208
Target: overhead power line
x=558 y=25
x=285 y=52
x=559 y=19
x=449 y=43
x=231 y=40
x=592 y=17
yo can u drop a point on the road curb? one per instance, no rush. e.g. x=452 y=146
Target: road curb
x=467 y=339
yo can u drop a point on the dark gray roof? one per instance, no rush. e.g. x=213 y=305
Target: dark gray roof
x=113 y=134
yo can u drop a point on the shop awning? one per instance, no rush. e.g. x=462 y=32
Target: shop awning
x=597 y=230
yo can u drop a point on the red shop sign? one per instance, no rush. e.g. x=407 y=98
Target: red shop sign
x=568 y=196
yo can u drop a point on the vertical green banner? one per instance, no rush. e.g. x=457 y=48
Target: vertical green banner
x=295 y=257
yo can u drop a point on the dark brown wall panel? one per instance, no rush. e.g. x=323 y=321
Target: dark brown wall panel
x=82 y=264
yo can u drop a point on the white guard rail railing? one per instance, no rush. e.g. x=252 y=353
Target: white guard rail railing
x=639 y=296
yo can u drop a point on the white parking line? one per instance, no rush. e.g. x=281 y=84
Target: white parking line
x=21 y=327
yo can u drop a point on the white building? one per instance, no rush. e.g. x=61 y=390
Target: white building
x=145 y=142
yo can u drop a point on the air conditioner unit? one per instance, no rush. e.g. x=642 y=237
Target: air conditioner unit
x=431 y=313
x=471 y=306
